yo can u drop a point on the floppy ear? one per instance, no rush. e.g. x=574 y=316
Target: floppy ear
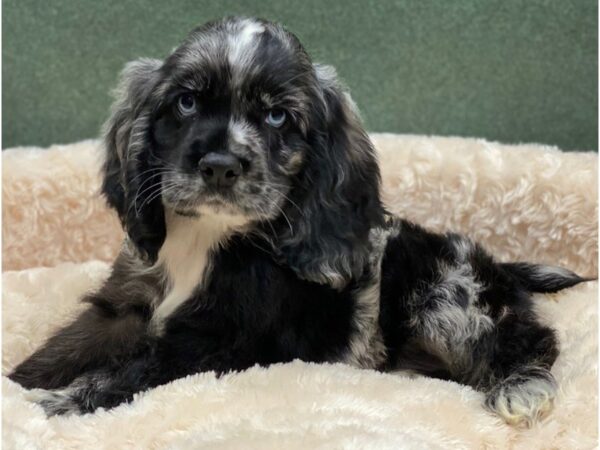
x=130 y=178
x=338 y=192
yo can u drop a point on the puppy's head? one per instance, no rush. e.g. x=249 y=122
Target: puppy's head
x=237 y=120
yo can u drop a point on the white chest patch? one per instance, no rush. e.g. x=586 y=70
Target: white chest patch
x=185 y=256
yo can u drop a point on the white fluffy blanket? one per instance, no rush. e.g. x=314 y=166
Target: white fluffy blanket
x=522 y=202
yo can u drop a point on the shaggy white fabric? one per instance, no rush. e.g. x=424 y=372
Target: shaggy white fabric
x=51 y=207
x=523 y=202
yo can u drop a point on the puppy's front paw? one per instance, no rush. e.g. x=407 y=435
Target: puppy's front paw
x=56 y=402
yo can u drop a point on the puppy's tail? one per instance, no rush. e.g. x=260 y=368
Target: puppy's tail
x=543 y=278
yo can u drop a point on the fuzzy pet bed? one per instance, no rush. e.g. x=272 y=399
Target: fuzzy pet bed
x=525 y=202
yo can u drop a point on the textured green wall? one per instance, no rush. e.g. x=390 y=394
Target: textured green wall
x=509 y=70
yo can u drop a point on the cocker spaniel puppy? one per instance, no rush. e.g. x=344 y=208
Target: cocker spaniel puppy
x=249 y=192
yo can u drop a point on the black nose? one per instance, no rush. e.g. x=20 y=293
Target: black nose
x=220 y=170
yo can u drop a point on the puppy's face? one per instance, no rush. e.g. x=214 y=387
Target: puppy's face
x=230 y=130
x=237 y=120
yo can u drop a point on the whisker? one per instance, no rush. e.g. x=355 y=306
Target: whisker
x=161 y=190
x=149 y=179
x=260 y=213
x=270 y=185
x=138 y=194
x=157 y=172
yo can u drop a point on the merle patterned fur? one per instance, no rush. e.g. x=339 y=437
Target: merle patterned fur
x=254 y=242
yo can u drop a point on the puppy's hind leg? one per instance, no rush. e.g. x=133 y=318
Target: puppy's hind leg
x=483 y=332
x=524 y=397
x=508 y=359
x=522 y=389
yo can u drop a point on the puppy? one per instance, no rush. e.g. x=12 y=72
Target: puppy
x=249 y=193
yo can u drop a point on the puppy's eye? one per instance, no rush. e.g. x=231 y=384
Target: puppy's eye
x=275 y=118
x=186 y=104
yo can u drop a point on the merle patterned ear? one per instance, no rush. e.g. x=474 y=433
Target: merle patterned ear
x=340 y=200
x=128 y=175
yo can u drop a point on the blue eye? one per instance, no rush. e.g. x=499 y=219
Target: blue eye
x=275 y=118
x=186 y=104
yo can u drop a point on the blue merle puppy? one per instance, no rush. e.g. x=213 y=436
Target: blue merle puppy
x=249 y=192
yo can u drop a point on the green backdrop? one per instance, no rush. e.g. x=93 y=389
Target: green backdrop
x=508 y=70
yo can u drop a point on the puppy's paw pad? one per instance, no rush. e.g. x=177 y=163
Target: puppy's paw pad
x=523 y=399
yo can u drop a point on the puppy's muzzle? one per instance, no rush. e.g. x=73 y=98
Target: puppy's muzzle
x=220 y=170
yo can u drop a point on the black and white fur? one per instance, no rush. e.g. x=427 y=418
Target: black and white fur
x=295 y=258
